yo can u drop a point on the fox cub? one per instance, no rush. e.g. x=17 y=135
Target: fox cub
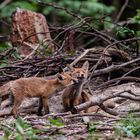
x=35 y=87
x=71 y=95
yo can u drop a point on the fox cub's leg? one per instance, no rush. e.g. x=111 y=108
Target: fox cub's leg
x=75 y=102
x=66 y=108
x=17 y=103
x=39 y=113
x=66 y=104
x=85 y=98
x=45 y=105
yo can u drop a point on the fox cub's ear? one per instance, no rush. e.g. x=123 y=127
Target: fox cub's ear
x=86 y=65
x=60 y=77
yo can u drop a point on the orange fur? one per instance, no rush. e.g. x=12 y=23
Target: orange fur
x=72 y=94
x=35 y=87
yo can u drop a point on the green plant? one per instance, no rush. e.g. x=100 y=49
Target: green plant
x=136 y=18
x=43 y=49
x=92 y=127
x=12 y=54
x=5 y=12
x=55 y=122
x=3 y=46
x=3 y=63
x=123 y=32
x=93 y=132
x=87 y=8
x=22 y=131
x=129 y=127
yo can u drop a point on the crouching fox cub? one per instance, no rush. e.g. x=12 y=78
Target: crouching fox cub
x=35 y=87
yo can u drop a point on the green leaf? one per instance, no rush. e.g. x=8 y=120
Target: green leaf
x=7 y=133
x=56 y=122
x=129 y=127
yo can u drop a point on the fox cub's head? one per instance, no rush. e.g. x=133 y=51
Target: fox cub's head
x=65 y=79
x=80 y=72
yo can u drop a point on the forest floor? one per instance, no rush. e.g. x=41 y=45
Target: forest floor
x=67 y=126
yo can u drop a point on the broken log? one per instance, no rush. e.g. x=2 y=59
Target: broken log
x=29 y=29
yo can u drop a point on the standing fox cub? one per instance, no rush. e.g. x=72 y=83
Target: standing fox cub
x=35 y=87
x=72 y=94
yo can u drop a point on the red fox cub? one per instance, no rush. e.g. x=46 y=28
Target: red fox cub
x=35 y=87
x=72 y=94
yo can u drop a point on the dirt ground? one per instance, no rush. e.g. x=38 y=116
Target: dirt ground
x=77 y=126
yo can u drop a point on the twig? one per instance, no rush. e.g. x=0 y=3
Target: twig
x=60 y=8
x=135 y=69
x=120 y=41
x=121 y=11
x=77 y=132
x=7 y=52
x=95 y=34
x=46 y=116
x=28 y=56
x=89 y=114
x=80 y=57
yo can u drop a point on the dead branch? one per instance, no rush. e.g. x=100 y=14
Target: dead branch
x=127 y=78
x=114 y=67
x=98 y=101
x=131 y=71
x=46 y=116
x=96 y=33
x=108 y=110
x=104 y=51
x=6 y=53
x=134 y=98
x=6 y=111
x=89 y=114
x=121 y=11
x=30 y=67
x=122 y=41
x=81 y=56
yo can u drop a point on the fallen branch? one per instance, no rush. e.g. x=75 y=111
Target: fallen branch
x=114 y=67
x=98 y=101
x=46 y=116
x=128 y=78
x=81 y=56
x=89 y=114
x=6 y=111
x=131 y=71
